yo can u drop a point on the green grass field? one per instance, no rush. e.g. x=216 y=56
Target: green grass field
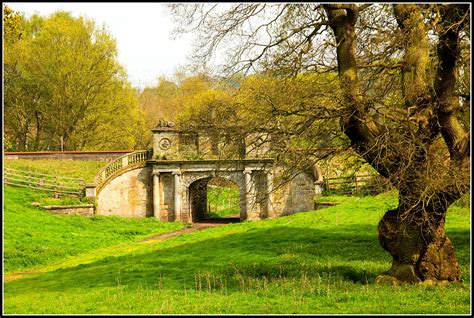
x=32 y=237
x=65 y=168
x=317 y=262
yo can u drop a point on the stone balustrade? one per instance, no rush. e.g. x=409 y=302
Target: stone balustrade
x=120 y=164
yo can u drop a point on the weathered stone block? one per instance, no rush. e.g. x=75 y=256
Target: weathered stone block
x=84 y=210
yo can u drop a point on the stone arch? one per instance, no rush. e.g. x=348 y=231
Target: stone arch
x=196 y=192
x=189 y=177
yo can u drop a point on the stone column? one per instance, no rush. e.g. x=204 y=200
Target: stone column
x=91 y=191
x=177 y=196
x=249 y=195
x=270 y=193
x=156 y=195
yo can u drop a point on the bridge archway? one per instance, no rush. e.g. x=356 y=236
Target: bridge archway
x=198 y=196
x=223 y=200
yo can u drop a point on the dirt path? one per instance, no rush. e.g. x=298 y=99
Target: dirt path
x=193 y=228
x=196 y=226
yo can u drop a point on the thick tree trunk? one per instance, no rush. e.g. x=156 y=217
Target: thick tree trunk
x=420 y=249
x=413 y=233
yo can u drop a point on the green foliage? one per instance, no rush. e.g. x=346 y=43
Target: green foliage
x=160 y=102
x=464 y=201
x=208 y=108
x=11 y=24
x=223 y=201
x=301 y=111
x=319 y=262
x=167 y=100
x=65 y=86
x=299 y=114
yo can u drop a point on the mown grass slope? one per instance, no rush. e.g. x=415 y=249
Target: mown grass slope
x=67 y=168
x=32 y=237
x=317 y=262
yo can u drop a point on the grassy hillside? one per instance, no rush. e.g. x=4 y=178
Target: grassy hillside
x=317 y=262
x=65 y=168
x=32 y=237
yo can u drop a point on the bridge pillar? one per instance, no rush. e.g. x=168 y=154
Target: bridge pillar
x=91 y=191
x=270 y=193
x=250 y=196
x=156 y=195
x=177 y=195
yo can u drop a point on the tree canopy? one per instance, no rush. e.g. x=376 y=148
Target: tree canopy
x=65 y=88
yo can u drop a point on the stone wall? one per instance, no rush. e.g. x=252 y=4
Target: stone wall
x=84 y=210
x=169 y=142
x=129 y=195
x=165 y=143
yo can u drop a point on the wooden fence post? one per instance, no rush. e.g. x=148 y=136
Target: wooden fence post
x=55 y=187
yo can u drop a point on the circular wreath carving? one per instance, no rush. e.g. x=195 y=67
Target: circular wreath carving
x=165 y=144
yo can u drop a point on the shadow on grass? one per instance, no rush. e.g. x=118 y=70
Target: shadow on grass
x=351 y=254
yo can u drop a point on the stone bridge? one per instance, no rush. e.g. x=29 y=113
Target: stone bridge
x=170 y=183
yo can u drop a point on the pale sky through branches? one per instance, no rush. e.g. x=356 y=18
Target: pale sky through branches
x=142 y=31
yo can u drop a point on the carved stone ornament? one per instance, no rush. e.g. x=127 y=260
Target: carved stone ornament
x=165 y=144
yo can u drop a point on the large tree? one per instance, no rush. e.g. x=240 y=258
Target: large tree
x=403 y=100
x=64 y=87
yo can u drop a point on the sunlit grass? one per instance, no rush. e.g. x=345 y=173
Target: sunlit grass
x=66 y=168
x=32 y=237
x=318 y=262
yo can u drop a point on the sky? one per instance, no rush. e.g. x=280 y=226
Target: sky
x=142 y=32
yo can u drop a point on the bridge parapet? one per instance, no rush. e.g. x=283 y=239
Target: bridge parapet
x=171 y=143
x=120 y=163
